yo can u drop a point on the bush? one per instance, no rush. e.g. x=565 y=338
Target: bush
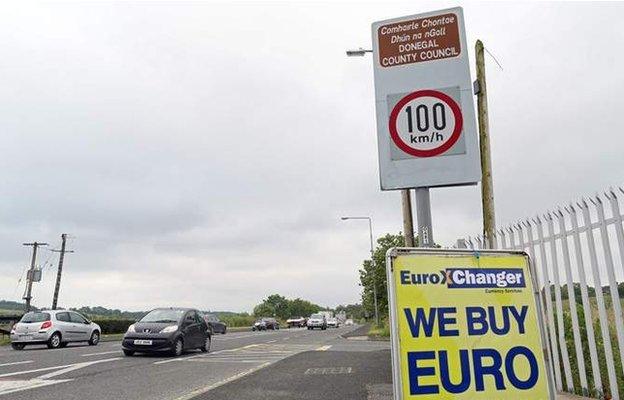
x=110 y=325
x=237 y=320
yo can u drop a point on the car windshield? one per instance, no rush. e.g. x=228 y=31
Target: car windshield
x=163 y=316
x=317 y=316
x=35 y=317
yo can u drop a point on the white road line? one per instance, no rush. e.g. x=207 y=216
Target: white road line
x=67 y=367
x=272 y=341
x=323 y=348
x=221 y=383
x=75 y=367
x=7 y=387
x=176 y=359
x=99 y=354
x=35 y=370
x=16 y=363
x=207 y=360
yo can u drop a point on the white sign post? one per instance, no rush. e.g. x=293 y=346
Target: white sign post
x=426 y=126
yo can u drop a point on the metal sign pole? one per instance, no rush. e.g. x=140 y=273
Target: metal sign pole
x=423 y=215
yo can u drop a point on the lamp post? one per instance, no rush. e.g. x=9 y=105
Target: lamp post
x=406 y=201
x=370 y=229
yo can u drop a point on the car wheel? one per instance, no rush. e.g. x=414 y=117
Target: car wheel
x=95 y=338
x=18 y=346
x=224 y=329
x=128 y=353
x=206 y=347
x=178 y=347
x=55 y=341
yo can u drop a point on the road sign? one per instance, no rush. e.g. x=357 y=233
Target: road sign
x=465 y=326
x=426 y=126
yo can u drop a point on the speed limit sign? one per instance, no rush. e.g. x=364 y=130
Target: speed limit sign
x=425 y=123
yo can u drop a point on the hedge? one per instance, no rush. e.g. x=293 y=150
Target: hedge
x=114 y=325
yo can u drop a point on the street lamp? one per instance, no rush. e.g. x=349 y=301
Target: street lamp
x=406 y=202
x=370 y=228
x=360 y=52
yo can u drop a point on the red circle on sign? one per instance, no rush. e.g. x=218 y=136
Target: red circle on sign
x=459 y=122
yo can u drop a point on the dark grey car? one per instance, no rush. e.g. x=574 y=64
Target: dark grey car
x=217 y=325
x=168 y=330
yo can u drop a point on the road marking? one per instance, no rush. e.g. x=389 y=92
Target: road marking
x=35 y=370
x=324 y=348
x=80 y=365
x=208 y=388
x=77 y=366
x=15 y=363
x=286 y=338
x=329 y=371
x=272 y=341
x=7 y=387
x=99 y=354
x=182 y=358
x=202 y=355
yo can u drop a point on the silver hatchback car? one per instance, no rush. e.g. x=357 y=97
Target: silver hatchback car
x=54 y=328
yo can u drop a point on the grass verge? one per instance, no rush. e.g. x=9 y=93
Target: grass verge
x=380 y=332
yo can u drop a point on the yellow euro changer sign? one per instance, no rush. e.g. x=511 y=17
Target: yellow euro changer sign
x=465 y=325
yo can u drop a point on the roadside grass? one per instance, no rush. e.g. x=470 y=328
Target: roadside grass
x=4 y=311
x=111 y=337
x=381 y=331
x=4 y=340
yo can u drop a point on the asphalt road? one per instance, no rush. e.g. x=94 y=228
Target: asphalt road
x=102 y=372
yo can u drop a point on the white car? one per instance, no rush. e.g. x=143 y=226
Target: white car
x=333 y=323
x=317 y=321
x=55 y=328
x=349 y=322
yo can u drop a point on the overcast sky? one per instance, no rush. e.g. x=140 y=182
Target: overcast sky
x=202 y=154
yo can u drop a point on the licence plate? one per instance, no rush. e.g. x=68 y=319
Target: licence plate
x=143 y=342
x=25 y=337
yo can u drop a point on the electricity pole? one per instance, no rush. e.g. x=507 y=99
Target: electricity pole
x=408 y=219
x=31 y=272
x=487 y=188
x=60 y=269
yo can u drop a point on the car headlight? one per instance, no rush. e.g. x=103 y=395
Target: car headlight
x=169 y=329
x=131 y=329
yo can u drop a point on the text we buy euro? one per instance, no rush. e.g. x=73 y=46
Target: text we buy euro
x=434 y=369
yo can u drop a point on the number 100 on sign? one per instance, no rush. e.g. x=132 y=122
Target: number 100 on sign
x=425 y=123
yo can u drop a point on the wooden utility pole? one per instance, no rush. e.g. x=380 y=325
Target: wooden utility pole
x=408 y=219
x=31 y=272
x=487 y=188
x=57 y=287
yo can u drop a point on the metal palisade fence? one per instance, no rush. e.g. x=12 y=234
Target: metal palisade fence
x=578 y=253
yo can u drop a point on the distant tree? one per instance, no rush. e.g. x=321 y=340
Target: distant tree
x=301 y=308
x=354 y=311
x=371 y=278
x=280 y=307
